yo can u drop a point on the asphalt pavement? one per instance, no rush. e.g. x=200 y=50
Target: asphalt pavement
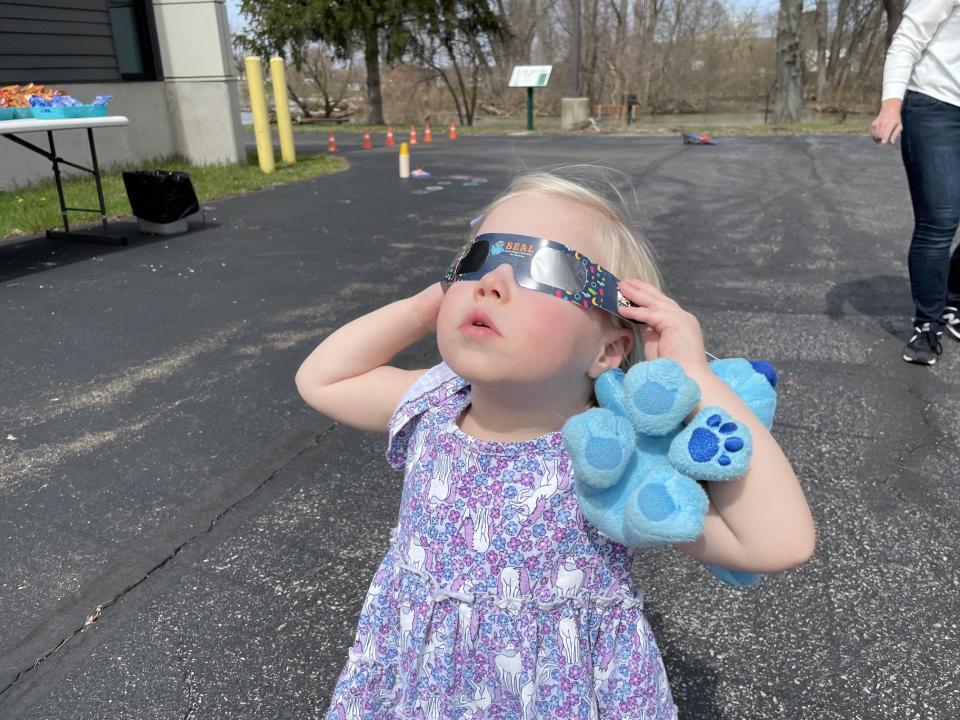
x=182 y=537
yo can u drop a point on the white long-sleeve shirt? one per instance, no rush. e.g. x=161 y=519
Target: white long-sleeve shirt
x=924 y=54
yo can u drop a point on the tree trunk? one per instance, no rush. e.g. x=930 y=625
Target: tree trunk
x=894 y=11
x=836 y=44
x=371 y=56
x=822 y=33
x=789 y=100
x=590 y=66
x=647 y=51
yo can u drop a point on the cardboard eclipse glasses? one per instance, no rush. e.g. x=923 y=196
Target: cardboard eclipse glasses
x=544 y=266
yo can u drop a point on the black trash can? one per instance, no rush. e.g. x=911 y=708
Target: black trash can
x=161 y=199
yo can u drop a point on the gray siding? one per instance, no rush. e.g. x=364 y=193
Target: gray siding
x=56 y=41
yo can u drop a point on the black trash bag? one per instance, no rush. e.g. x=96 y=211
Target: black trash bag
x=160 y=196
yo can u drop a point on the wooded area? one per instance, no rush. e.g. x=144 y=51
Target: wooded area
x=415 y=57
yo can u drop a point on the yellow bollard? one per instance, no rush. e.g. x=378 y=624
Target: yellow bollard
x=258 y=105
x=284 y=129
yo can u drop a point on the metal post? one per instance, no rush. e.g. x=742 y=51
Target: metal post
x=56 y=175
x=258 y=106
x=529 y=108
x=284 y=129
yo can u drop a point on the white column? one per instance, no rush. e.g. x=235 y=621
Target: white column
x=201 y=82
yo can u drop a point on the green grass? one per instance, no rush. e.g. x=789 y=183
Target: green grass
x=402 y=130
x=809 y=128
x=547 y=126
x=34 y=208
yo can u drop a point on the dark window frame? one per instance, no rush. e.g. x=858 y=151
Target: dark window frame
x=148 y=41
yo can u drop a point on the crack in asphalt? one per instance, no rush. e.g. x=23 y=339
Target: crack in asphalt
x=98 y=612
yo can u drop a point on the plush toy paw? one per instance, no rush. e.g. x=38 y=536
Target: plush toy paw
x=600 y=443
x=636 y=467
x=754 y=381
x=645 y=510
x=735 y=577
x=655 y=395
x=667 y=507
x=712 y=447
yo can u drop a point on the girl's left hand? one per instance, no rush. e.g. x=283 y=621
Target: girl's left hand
x=669 y=331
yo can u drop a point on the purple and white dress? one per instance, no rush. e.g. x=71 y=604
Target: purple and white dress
x=496 y=600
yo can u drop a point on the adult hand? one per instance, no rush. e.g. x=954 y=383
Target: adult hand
x=886 y=127
x=669 y=330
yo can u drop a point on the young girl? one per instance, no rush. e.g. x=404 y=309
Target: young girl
x=496 y=599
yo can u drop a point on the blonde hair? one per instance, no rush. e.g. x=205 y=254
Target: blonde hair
x=624 y=250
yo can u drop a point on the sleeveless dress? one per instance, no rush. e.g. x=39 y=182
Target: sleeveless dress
x=496 y=600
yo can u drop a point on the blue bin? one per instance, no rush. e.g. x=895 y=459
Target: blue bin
x=6 y=113
x=64 y=113
x=88 y=111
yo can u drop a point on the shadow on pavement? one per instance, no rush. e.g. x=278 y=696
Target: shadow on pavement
x=699 y=700
x=34 y=254
x=886 y=298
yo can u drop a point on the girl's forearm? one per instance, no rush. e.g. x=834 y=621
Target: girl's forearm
x=347 y=377
x=366 y=343
x=761 y=521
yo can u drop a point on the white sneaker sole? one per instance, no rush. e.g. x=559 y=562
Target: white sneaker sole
x=915 y=361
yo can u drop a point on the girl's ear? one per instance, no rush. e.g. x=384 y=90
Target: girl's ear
x=617 y=345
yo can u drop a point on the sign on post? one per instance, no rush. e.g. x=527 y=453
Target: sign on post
x=530 y=77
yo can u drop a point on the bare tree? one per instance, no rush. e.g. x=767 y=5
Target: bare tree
x=452 y=38
x=823 y=30
x=894 y=12
x=789 y=99
x=647 y=13
x=323 y=77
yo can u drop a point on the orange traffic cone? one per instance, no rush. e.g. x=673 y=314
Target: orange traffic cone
x=427 y=136
x=453 y=131
x=413 y=135
x=332 y=143
x=390 y=142
x=367 y=142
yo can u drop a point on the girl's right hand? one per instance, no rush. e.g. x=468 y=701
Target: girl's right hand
x=886 y=127
x=426 y=304
x=669 y=331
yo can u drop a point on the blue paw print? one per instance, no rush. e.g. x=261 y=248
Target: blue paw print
x=704 y=444
x=712 y=447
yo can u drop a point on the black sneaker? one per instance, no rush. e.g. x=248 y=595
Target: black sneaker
x=951 y=321
x=923 y=347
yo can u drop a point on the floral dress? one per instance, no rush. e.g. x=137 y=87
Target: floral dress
x=495 y=600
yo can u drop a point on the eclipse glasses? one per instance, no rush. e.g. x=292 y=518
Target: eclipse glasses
x=541 y=265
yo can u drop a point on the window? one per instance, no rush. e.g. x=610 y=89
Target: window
x=134 y=38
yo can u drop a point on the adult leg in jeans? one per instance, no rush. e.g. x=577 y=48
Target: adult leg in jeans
x=931 y=156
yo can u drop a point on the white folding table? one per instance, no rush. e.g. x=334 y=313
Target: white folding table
x=10 y=129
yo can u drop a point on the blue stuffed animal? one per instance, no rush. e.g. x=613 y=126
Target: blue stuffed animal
x=636 y=468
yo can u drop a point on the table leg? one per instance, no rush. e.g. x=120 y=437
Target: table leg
x=105 y=238
x=96 y=176
x=56 y=174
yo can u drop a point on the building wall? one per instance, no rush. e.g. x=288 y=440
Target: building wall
x=193 y=111
x=202 y=94
x=56 y=41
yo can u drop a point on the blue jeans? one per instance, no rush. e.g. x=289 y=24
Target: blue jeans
x=931 y=155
